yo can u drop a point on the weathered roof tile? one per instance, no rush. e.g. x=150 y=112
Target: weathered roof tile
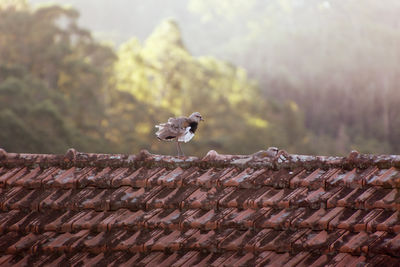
x=145 y=209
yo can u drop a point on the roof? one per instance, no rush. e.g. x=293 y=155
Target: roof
x=231 y=210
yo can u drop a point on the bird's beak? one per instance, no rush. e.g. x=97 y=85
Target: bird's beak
x=201 y=119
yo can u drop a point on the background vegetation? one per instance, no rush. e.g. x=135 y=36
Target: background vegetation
x=314 y=77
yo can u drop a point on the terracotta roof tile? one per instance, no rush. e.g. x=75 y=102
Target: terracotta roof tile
x=97 y=209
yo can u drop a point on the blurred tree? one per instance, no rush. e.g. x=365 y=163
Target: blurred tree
x=163 y=76
x=52 y=81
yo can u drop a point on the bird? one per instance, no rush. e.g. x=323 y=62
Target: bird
x=179 y=129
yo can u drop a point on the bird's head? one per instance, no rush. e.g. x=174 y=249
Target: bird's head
x=196 y=116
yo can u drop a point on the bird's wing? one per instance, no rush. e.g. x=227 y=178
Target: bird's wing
x=187 y=136
x=175 y=127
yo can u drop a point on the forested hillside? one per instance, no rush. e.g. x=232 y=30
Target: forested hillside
x=61 y=88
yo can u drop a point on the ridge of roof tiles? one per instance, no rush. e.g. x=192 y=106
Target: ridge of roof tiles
x=221 y=210
x=261 y=158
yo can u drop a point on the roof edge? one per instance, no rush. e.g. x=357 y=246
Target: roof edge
x=270 y=158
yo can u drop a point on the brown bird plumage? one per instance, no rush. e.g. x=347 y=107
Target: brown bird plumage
x=179 y=129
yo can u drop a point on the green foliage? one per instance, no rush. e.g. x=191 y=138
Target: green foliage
x=60 y=88
x=162 y=75
x=52 y=82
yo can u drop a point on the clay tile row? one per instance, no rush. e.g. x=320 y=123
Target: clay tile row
x=167 y=240
x=196 y=258
x=264 y=218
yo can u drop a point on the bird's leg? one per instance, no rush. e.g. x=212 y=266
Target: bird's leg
x=178 y=147
x=182 y=154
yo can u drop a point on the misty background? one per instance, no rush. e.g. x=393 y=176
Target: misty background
x=313 y=77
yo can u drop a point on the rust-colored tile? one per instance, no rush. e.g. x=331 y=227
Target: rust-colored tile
x=64 y=222
x=206 y=240
x=183 y=259
x=203 y=219
x=254 y=243
x=29 y=174
x=115 y=219
x=36 y=181
x=317 y=241
x=242 y=219
x=356 y=243
x=283 y=242
x=346 y=219
x=293 y=198
x=132 y=198
x=206 y=198
x=9 y=218
x=350 y=199
x=136 y=178
x=340 y=259
x=243 y=179
x=265 y=243
x=388 y=244
x=313 y=180
x=213 y=177
x=239 y=259
x=324 y=222
x=168 y=178
x=150 y=258
x=278 y=259
x=130 y=259
x=169 y=198
x=310 y=219
x=9 y=239
x=242 y=197
x=387 y=221
x=297 y=259
x=30 y=242
x=170 y=240
x=10 y=173
x=168 y=219
x=353 y=179
x=359 y=202
x=198 y=259
x=264 y=258
x=27 y=200
x=95 y=177
x=237 y=240
x=126 y=241
x=57 y=200
x=309 y=260
x=89 y=221
x=13 y=175
x=189 y=177
x=89 y=198
x=94 y=198
x=9 y=197
x=65 y=242
x=388 y=178
x=206 y=179
x=66 y=178
x=354 y=220
x=317 y=198
x=279 y=219
x=342 y=193
x=132 y=220
x=34 y=221
x=385 y=199
x=272 y=198
x=221 y=258
x=5 y=260
x=276 y=179
x=167 y=260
